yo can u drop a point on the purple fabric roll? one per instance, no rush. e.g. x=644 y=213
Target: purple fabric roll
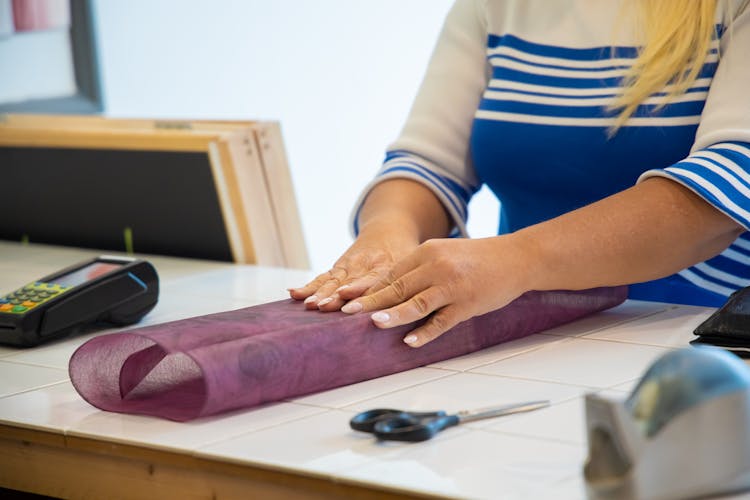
x=238 y=359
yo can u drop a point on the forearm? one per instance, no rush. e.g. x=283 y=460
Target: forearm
x=405 y=207
x=649 y=231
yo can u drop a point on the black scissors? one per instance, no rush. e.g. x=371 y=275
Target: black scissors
x=398 y=425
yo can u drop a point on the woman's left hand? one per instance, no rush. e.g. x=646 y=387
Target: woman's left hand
x=452 y=279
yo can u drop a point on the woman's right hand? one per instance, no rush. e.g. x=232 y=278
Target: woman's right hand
x=363 y=264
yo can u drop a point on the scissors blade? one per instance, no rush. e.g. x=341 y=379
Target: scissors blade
x=498 y=411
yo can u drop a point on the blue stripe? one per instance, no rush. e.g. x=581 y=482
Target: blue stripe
x=577 y=54
x=356 y=219
x=463 y=192
x=458 y=191
x=588 y=96
x=715 y=280
x=588 y=54
x=434 y=179
x=675 y=289
x=718 y=182
x=687 y=161
x=503 y=73
x=745 y=238
x=734 y=156
x=680 y=109
x=730 y=266
x=396 y=153
x=461 y=211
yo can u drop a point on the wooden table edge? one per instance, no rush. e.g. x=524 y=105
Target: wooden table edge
x=65 y=466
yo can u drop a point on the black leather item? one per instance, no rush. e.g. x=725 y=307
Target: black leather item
x=729 y=326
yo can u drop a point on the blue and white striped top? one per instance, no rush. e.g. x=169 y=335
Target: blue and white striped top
x=516 y=97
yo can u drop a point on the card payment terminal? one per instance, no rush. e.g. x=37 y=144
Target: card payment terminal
x=110 y=289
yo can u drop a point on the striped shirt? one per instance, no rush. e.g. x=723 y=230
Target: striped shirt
x=517 y=96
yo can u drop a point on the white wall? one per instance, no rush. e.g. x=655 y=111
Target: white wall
x=338 y=74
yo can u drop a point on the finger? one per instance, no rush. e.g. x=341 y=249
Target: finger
x=331 y=303
x=442 y=321
x=405 y=266
x=322 y=296
x=302 y=292
x=321 y=287
x=414 y=309
x=400 y=290
x=347 y=291
x=358 y=286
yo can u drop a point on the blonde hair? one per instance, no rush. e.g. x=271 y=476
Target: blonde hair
x=677 y=36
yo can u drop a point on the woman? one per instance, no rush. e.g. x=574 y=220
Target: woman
x=616 y=136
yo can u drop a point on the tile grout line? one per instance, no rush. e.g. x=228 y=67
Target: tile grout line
x=36 y=365
x=399 y=390
x=546 y=439
x=617 y=323
x=24 y=391
x=532 y=349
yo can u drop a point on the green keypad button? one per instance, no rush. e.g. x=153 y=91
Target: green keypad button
x=37 y=292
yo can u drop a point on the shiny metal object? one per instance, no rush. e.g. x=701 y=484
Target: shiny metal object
x=684 y=432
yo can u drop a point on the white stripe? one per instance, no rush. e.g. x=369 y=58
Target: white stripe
x=722 y=160
x=563 y=73
x=735 y=183
x=721 y=275
x=557 y=72
x=459 y=216
x=741 y=243
x=409 y=161
x=586 y=122
x=504 y=50
x=496 y=83
x=430 y=177
x=736 y=256
x=592 y=101
x=703 y=183
x=704 y=283
x=733 y=147
x=576 y=63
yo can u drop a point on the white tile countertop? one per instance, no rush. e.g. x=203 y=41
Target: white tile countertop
x=533 y=455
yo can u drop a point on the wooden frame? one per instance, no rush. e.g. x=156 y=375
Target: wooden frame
x=247 y=161
x=64 y=466
x=88 y=98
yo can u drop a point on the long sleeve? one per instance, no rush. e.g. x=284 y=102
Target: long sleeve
x=433 y=147
x=718 y=167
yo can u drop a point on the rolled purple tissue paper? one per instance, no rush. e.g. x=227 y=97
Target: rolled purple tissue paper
x=238 y=359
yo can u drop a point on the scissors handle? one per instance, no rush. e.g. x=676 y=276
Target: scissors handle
x=411 y=427
x=366 y=420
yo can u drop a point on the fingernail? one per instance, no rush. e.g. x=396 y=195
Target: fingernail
x=352 y=307
x=410 y=339
x=311 y=299
x=381 y=317
x=342 y=287
x=325 y=301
